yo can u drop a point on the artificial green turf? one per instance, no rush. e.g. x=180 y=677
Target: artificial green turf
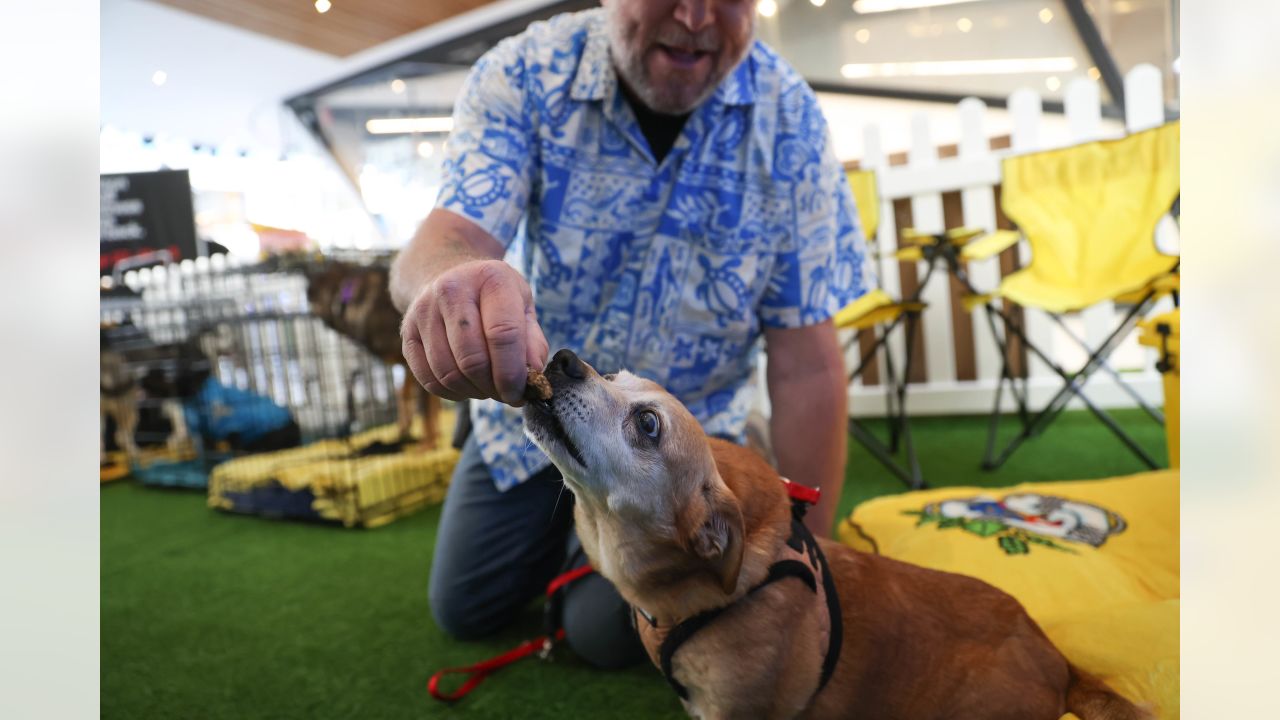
x=206 y=615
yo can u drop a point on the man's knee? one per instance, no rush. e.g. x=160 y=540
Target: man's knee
x=597 y=625
x=459 y=614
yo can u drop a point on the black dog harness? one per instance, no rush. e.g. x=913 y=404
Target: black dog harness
x=802 y=542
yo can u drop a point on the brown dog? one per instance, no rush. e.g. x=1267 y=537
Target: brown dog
x=693 y=531
x=356 y=301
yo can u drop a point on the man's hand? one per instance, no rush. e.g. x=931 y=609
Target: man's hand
x=472 y=331
x=469 y=326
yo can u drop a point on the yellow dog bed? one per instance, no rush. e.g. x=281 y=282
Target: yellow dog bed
x=1094 y=562
x=334 y=480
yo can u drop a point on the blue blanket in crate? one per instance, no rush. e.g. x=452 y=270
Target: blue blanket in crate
x=220 y=413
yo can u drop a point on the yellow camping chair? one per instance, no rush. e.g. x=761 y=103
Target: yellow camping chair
x=1089 y=213
x=877 y=310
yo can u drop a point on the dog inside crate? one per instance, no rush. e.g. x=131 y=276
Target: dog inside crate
x=167 y=396
x=355 y=301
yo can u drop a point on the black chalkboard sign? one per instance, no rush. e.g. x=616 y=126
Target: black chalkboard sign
x=146 y=211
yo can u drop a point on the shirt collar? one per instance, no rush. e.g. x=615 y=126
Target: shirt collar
x=595 y=78
x=739 y=87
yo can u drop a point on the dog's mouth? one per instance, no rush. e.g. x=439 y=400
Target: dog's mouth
x=541 y=415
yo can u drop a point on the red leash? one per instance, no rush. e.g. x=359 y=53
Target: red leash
x=481 y=670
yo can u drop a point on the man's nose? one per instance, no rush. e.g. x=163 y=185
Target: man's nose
x=566 y=363
x=695 y=14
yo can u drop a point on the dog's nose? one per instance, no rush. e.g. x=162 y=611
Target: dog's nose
x=567 y=364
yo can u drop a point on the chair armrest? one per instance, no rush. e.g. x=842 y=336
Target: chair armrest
x=962 y=235
x=911 y=236
x=991 y=245
x=908 y=254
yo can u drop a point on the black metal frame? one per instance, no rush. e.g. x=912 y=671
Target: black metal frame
x=895 y=392
x=1087 y=29
x=895 y=387
x=1073 y=382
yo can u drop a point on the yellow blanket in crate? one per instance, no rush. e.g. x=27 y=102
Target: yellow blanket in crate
x=1094 y=562
x=354 y=489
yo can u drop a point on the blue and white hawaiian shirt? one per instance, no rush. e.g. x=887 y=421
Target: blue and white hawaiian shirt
x=671 y=269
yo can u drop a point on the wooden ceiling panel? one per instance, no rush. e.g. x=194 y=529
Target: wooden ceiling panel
x=348 y=27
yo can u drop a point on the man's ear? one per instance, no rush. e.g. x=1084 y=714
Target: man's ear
x=718 y=537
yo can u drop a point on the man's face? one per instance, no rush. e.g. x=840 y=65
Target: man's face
x=673 y=53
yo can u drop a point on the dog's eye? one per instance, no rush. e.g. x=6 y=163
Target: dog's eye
x=649 y=423
x=610 y=377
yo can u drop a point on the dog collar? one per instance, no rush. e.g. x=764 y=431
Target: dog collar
x=800 y=495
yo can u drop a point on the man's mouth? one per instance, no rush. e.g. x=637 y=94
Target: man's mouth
x=545 y=412
x=683 y=57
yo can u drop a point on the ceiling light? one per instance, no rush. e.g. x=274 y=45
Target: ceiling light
x=879 y=6
x=426 y=149
x=159 y=77
x=818 y=3
x=1052 y=82
x=964 y=24
x=322 y=6
x=767 y=8
x=1094 y=73
x=932 y=68
x=1122 y=7
x=1046 y=15
x=395 y=126
x=863 y=35
x=397 y=86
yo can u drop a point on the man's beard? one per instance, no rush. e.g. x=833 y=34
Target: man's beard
x=670 y=98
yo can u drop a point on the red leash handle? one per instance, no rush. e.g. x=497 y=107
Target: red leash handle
x=478 y=672
x=481 y=670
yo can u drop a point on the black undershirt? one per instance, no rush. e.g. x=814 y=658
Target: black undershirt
x=661 y=131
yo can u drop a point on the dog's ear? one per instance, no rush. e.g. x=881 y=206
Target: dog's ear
x=717 y=537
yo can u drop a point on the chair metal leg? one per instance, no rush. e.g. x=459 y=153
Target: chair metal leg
x=895 y=415
x=904 y=424
x=1073 y=385
x=891 y=405
x=878 y=450
x=994 y=421
x=993 y=428
x=1106 y=367
x=1096 y=357
x=1006 y=376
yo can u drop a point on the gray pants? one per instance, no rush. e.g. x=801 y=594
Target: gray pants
x=497 y=551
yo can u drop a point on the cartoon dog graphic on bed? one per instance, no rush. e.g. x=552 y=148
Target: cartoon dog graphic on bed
x=1046 y=516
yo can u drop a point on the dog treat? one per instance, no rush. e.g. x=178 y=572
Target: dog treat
x=537 y=387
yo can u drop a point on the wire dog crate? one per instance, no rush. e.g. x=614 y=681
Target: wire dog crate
x=240 y=387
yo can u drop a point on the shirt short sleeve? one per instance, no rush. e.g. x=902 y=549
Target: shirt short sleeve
x=489 y=156
x=818 y=268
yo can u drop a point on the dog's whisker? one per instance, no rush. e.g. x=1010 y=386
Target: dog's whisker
x=557 y=505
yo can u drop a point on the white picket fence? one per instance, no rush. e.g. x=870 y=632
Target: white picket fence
x=974 y=173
